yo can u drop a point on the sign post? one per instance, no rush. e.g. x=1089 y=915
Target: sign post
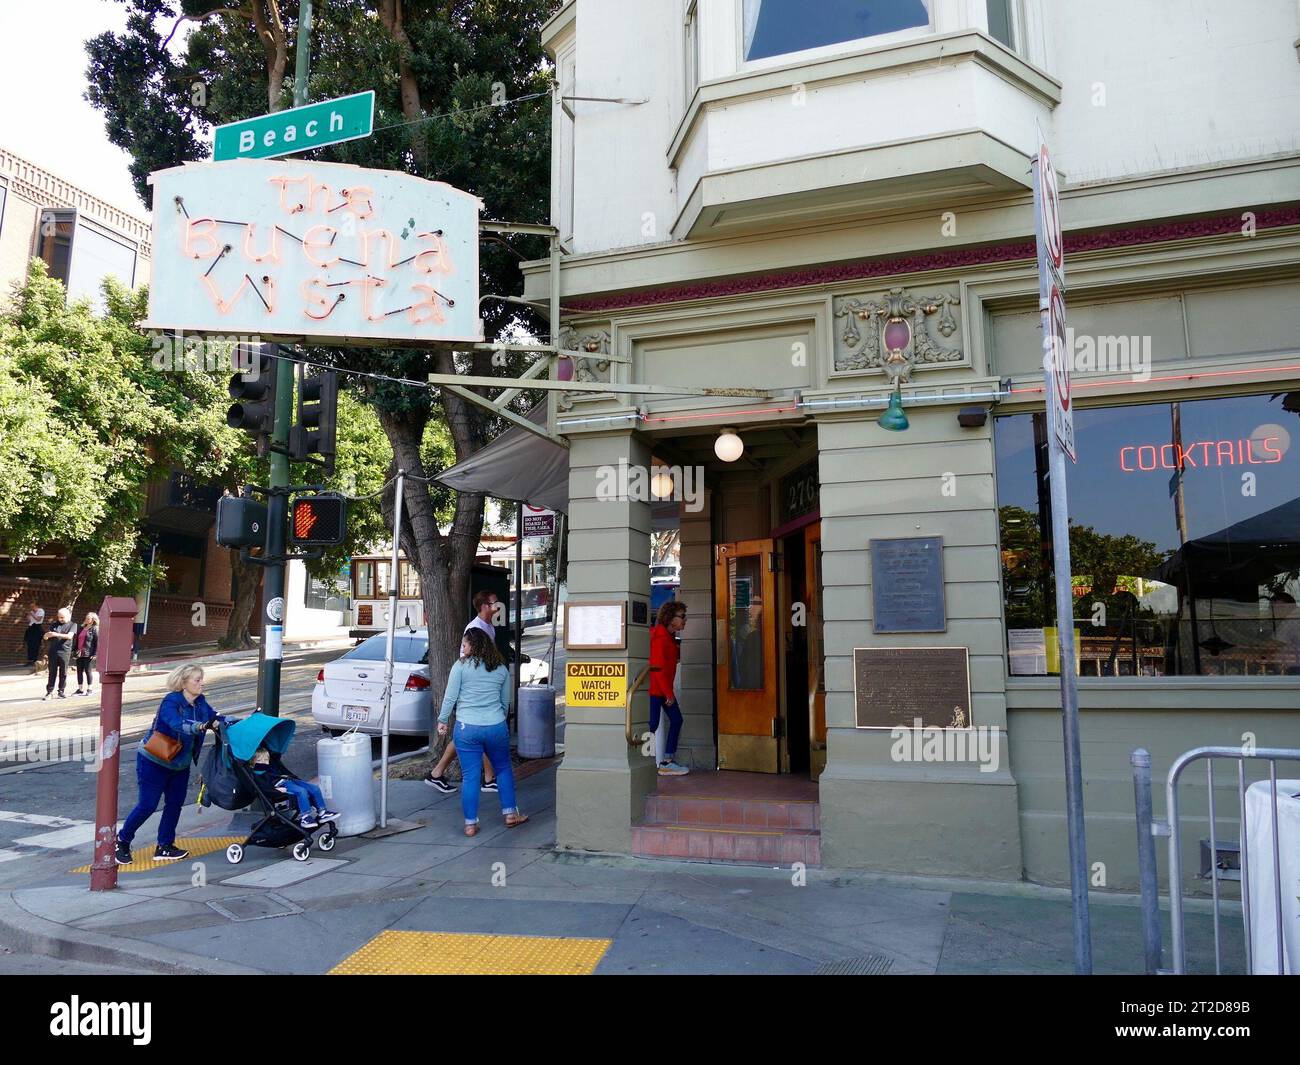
x=1060 y=417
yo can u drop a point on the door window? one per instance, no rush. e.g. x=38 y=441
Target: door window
x=745 y=621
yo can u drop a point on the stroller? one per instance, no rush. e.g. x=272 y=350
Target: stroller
x=228 y=781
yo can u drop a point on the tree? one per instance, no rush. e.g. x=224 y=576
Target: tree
x=461 y=91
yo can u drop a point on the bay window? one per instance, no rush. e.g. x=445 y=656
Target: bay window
x=779 y=27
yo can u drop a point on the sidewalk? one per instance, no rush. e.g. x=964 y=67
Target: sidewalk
x=163 y=660
x=431 y=900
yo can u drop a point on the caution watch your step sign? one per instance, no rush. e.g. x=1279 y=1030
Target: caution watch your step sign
x=595 y=684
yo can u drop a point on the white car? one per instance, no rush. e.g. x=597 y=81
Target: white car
x=349 y=691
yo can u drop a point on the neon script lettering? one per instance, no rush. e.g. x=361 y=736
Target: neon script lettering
x=1143 y=458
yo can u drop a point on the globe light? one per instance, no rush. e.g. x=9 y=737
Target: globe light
x=728 y=447
x=661 y=484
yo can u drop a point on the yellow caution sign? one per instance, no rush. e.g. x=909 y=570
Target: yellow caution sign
x=595 y=684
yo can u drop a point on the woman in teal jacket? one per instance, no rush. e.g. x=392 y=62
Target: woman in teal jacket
x=479 y=691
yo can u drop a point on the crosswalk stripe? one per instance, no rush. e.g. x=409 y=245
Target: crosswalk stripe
x=63 y=838
x=44 y=820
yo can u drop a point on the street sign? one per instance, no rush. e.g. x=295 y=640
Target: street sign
x=1060 y=443
x=538 y=521
x=287 y=249
x=298 y=129
x=595 y=684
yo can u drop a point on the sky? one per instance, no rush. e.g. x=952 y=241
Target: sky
x=43 y=117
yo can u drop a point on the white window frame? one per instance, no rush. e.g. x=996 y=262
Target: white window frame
x=826 y=50
x=691 y=48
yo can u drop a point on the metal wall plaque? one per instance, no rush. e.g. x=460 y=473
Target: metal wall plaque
x=907 y=585
x=894 y=686
x=640 y=612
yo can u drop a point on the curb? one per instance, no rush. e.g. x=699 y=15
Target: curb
x=27 y=933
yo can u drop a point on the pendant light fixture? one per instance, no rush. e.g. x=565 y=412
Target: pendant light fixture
x=728 y=447
x=895 y=419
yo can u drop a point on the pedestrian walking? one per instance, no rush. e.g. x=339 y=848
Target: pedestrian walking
x=485 y=608
x=33 y=635
x=163 y=761
x=478 y=688
x=670 y=620
x=87 y=645
x=59 y=646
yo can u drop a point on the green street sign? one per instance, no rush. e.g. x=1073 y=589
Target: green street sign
x=298 y=129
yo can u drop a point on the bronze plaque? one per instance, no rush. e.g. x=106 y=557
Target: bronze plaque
x=907 y=585
x=894 y=686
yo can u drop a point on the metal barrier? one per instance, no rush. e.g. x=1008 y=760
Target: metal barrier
x=1148 y=828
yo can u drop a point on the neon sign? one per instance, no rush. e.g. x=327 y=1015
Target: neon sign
x=284 y=248
x=1137 y=458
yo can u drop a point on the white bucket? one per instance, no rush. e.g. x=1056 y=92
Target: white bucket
x=346 y=781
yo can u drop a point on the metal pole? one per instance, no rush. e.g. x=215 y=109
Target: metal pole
x=117 y=624
x=555 y=599
x=302 y=59
x=388 y=648
x=1148 y=877
x=277 y=514
x=1070 y=712
x=519 y=600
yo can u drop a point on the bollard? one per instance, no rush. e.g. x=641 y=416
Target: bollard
x=116 y=621
x=1147 y=875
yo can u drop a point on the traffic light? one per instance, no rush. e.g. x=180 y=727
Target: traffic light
x=316 y=426
x=241 y=522
x=318 y=520
x=254 y=394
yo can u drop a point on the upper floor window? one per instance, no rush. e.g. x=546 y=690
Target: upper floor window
x=1001 y=25
x=778 y=27
x=81 y=254
x=692 y=47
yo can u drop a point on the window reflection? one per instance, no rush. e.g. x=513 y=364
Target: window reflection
x=745 y=621
x=1184 y=539
x=778 y=27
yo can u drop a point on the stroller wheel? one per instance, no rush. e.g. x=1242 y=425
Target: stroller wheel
x=326 y=841
x=234 y=854
x=302 y=850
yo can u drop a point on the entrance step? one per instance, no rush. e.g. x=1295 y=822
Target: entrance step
x=731 y=817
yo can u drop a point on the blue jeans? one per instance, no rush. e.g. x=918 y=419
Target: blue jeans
x=472 y=742
x=674 y=713
x=156 y=783
x=304 y=794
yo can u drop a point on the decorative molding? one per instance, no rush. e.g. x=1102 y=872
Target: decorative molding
x=891 y=334
x=593 y=369
x=961 y=258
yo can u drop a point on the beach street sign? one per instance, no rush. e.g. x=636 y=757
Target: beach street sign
x=298 y=129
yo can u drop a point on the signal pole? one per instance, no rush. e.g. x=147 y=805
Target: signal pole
x=277 y=504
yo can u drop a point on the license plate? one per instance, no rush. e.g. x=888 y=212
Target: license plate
x=356 y=713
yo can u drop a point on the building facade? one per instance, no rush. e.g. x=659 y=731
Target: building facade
x=814 y=200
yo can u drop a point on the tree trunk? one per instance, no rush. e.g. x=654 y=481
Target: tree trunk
x=237 y=637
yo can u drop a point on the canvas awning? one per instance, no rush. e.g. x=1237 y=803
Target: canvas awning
x=517 y=465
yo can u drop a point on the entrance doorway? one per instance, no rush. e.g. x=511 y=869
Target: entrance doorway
x=769 y=673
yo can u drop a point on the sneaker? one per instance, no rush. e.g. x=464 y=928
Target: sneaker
x=490 y=785
x=672 y=769
x=439 y=784
x=169 y=854
x=47 y=697
x=78 y=692
x=63 y=695
x=308 y=821
x=122 y=852
x=89 y=691
x=328 y=815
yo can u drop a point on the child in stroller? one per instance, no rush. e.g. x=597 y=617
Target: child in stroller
x=275 y=781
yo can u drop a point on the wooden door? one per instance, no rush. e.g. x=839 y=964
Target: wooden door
x=746 y=678
x=816 y=649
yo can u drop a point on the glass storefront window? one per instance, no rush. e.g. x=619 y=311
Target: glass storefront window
x=1184 y=539
x=745 y=621
x=779 y=27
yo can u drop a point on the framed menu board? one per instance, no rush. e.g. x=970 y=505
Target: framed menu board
x=595 y=626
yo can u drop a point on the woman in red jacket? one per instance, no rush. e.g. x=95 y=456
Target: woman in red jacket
x=663 y=671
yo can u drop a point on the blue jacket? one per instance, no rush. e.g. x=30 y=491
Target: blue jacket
x=181 y=721
x=480 y=696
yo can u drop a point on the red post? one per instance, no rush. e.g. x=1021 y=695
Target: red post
x=116 y=618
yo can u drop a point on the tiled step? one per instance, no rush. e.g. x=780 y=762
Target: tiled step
x=705 y=843
x=778 y=814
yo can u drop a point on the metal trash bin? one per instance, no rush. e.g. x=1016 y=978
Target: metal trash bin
x=536 y=721
x=347 y=782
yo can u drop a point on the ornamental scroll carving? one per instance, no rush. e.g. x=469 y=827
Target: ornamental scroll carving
x=593 y=369
x=895 y=333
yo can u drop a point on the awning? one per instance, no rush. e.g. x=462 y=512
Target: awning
x=517 y=465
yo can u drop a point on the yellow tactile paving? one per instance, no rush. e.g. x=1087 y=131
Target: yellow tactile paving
x=142 y=857
x=453 y=954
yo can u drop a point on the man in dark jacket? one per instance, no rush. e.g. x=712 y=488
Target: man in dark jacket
x=59 y=643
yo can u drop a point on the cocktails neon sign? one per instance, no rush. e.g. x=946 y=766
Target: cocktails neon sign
x=286 y=248
x=1263 y=451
